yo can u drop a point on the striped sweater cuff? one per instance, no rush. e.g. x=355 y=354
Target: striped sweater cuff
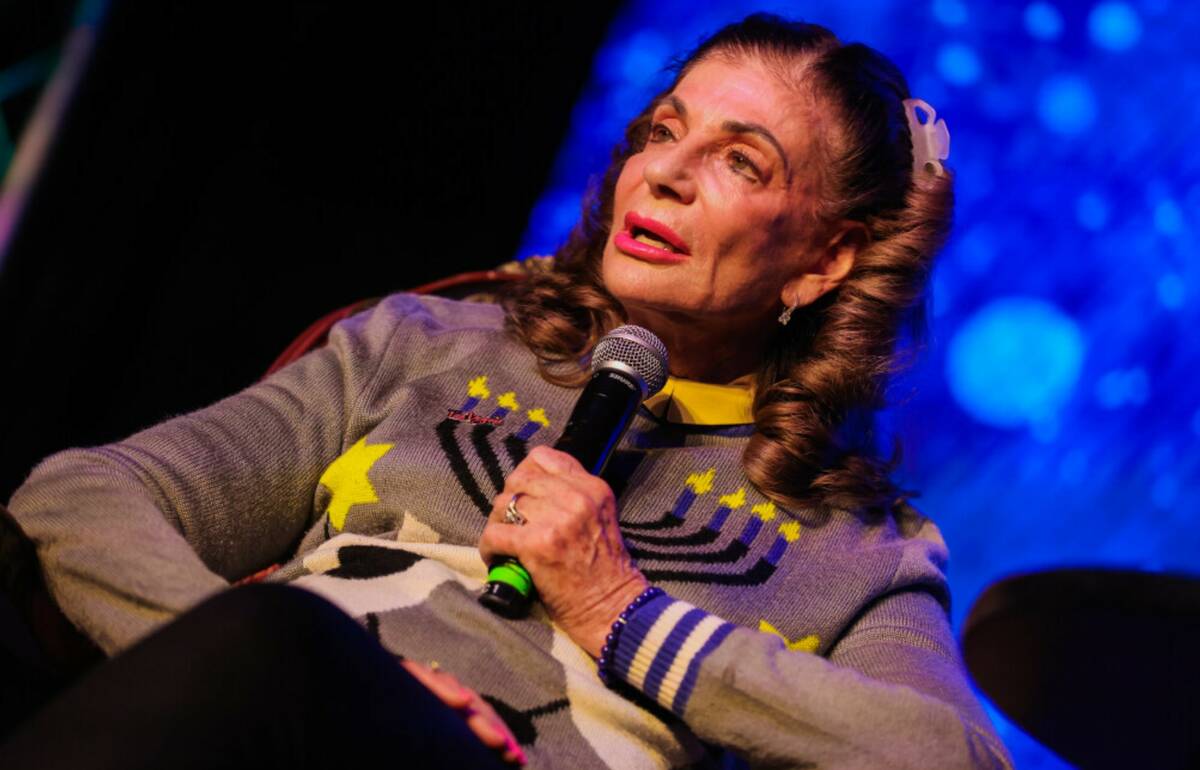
x=662 y=646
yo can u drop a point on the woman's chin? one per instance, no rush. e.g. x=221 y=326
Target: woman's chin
x=656 y=312
x=632 y=280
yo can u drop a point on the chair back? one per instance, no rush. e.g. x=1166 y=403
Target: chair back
x=478 y=284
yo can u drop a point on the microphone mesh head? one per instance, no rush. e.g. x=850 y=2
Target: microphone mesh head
x=639 y=350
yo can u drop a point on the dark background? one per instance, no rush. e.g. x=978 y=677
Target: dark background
x=230 y=173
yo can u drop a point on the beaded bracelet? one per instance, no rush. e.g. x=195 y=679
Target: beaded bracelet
x=610 y=641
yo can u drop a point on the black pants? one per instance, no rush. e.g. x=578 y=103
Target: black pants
x=261 y=676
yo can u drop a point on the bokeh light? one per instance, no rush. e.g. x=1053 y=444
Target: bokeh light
x=1015 y=362
x=1172 y=291
x=952 y=13
x=1114 y=26
x=1043 y=21
x=1091 y=210
x=959 y=64
x=1066 y=104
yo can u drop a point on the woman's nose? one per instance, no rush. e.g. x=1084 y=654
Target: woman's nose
x=670 y=174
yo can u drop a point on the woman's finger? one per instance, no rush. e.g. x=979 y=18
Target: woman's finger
x=542 y=493
x=442 y=684
x=554 y=502
x=554 y=460
x=514 y=753
x=527 y=480
x=479 y=715
x=487 y=731
x=499 y=539
x=502 y=736
x=542 y=462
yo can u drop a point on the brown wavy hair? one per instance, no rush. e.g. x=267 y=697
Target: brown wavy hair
x=825 y=374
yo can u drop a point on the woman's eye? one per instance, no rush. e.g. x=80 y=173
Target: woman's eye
x=740 y=163
x=660 y=133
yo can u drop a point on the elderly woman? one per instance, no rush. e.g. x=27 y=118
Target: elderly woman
x=745 y=573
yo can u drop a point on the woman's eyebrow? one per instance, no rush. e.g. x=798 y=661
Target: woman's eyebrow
x=737 y=127
x=732 y=126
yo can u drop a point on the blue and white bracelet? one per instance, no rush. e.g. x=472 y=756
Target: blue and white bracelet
x=614 y=635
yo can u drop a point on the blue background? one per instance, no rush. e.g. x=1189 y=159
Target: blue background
x=1052 y=418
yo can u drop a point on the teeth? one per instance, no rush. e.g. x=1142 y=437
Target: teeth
x=652 y=241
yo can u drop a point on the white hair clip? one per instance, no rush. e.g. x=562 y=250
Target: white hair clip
x=930 y=139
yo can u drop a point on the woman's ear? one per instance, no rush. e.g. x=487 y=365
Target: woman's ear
x=835 y=260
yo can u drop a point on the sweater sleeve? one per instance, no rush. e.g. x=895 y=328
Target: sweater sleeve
x=893 y=693
x=133 y=533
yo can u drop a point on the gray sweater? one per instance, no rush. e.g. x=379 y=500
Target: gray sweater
x=790 y=637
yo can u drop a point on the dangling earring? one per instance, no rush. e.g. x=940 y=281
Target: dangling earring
x=786 y=315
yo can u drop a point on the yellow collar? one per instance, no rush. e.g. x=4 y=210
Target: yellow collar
x=702 y=403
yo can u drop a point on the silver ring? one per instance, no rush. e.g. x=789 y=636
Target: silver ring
x=511 y=514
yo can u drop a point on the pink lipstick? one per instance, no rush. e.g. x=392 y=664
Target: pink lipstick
x=674 y=250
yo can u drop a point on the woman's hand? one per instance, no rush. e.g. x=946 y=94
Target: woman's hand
x=480 y=716
x=570 y=544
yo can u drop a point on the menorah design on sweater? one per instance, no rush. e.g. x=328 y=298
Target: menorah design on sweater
x=479 y=434
x=670 y=540
x=669 y=548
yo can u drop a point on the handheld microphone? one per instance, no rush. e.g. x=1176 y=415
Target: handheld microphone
x=629 y=364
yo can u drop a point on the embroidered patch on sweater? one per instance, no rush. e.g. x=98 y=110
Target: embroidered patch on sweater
x=461 y=416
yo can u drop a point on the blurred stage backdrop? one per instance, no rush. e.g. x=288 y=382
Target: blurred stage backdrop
x=1054 y=417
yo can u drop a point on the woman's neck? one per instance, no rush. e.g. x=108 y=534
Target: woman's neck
x=704 y=350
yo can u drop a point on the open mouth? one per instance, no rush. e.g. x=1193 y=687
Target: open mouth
x=645 y=236
x=649 y=248
x=648 y=232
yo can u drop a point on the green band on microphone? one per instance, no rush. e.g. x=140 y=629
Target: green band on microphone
x=512 y=574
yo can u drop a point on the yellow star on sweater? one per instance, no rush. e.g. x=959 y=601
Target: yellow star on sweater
x=346 y=478
x=808 y=643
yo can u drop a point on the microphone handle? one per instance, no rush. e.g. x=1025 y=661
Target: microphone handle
x=599 y=420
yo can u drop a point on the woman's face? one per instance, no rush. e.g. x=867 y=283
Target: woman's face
x=726 y=168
